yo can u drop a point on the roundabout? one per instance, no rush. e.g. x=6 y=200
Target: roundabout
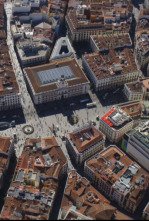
x=28 y=129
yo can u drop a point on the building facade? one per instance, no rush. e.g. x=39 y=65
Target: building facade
x=118 y=177
x=58 y=80
x=137 y=144
x=110 y=70
x=84 y=142
x=39 y=170
x=134 y=91
x=115 y=123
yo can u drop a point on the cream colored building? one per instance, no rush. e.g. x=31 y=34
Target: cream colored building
x=134 y=91
x=115 y=123
x=84 y=142
x=110 y=70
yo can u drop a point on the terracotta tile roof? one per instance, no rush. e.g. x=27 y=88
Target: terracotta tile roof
x=79 y=78
x=91 y=203
x=86 y=137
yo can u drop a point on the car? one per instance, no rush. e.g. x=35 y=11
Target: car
x=14 y=116
x=13 y=123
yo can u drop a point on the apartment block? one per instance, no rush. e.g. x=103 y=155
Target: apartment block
x=105 y=42
x=32 y=52
x=10 y=97
x=134 y=91
x=6 y=154
x=136 y=142
x=138 y=90
x=83 y=202
x=40 y=168
x=84 y=142
x=92 y=18
x=111 y=68
x=115 y=123
x=118 y=177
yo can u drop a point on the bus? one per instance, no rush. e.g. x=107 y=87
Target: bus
x=91 y=104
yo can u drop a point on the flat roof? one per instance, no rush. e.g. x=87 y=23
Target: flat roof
x=116 y=118
x=77 y=76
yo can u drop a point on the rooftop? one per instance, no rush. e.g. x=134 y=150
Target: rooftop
x=133 y=109
x=111 y=63
x=44 y=31
x=73 y=75
x=31 y=48
x=115 y=41
x=135 y=86
x=119 y=171
x=142 y=44
x=102 y=15
x=62 y=49
x=4 y=148
x=35 y=181
x=116 y=118
x=8 y=83
x=84 y=137
x=92 y=204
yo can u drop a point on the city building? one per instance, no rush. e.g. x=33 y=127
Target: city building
x=110 y=69
x=84 y=142
x=142 y=50
x=118 y=177
x=58 y=80
x=138 y=90
x=136 y=143
x=40 y=168
x=93 y=18
x=25 y=7
x=145 y=215
x=83 y=202
x=115 y=123
x=45 y=33
x=6 y=154
x=134 y=110
x=9 y=90
x=62 y=49
x=104 y=42
x=19 y=30
x=32 y=52
x=134 y=91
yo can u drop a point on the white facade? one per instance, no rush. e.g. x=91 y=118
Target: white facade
x=32 y=52
x=114 y=135
x=139 y=151
x=80 y=157
x=25 y=6
x=133 y=95
x=62 y=91
x=111 y=81
x=10 y=101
